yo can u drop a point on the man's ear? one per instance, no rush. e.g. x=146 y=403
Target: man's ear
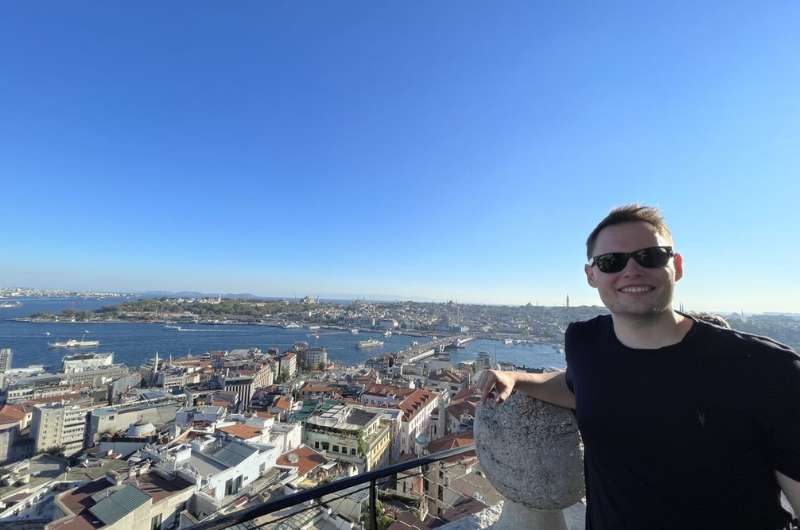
x=677 y=261
x=589 y=270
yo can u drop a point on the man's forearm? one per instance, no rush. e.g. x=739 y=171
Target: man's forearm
x=550 y=387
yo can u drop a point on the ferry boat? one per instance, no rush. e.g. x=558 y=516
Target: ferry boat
x=73 y=343
x=9 y=305
x=370 y=343
x=354 y=331
x=291 y=325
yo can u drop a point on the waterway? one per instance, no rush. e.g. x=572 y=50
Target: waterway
x=134 y=343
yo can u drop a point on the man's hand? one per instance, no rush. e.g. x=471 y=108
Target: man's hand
x=501 y=382
x=549 y=386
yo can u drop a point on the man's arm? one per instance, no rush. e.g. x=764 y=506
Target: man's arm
x=791 y=488
x=551 y=386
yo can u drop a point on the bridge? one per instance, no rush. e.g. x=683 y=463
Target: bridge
x=418 y=352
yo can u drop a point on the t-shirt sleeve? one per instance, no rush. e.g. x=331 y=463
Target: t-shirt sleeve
x=568 y=345
x=781 y=413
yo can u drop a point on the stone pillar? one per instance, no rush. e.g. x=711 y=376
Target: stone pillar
x=531 y=453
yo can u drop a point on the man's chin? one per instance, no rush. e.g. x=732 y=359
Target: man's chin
x=641 y=313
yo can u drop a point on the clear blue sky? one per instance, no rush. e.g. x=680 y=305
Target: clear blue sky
x=426 y=150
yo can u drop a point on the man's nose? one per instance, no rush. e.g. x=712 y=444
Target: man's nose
x=632 y=268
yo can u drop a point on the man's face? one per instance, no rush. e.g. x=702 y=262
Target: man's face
x=635 y=291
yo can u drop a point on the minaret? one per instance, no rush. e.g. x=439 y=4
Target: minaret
x=155 y=365
x=567 y=301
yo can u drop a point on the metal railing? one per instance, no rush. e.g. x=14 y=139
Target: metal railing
x=372 y=477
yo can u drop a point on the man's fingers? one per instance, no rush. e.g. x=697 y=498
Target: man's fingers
x=502 y=396
x=487 y=384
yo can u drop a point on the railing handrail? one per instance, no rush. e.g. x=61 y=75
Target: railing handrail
x=337 y=485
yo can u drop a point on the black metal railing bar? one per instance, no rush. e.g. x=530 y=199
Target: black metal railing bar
x=372 y=477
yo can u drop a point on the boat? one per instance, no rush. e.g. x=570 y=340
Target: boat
x=47 y=333
x=370 y=343
x=508 y=342
x=313 y=327
x=354 y=331
x=10 y=305
x=291 y=325
x=172 y=326
x=387 y=334
x=73 y=343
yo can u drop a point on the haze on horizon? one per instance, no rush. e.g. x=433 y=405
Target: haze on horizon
x=452 y=151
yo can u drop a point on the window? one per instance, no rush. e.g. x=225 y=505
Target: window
x=155 y=522
x=325 y=446
x=336 y=449
x=441 y=493
x=352 y=451
x=316 y=445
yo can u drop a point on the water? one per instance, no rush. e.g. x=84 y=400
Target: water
x=133 y=344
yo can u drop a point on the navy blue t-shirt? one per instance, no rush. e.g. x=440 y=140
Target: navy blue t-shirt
x=686 y=436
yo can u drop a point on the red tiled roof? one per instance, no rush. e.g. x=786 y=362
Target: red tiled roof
x=11 y=414
x=283 y=403
x=307 y=459
x=416 y=402
x=451 y=441
x=311 y=388
x=462 y=407
x=244 y=432
x=447 y=376
x=388 y=390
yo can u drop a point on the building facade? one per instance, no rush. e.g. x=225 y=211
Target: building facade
x=59 y=426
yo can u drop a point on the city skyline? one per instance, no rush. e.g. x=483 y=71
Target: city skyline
x=445 y=152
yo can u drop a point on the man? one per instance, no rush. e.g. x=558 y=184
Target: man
x=685 y=424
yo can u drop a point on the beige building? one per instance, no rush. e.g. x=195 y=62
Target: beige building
x=350 y=434
x=60 y=426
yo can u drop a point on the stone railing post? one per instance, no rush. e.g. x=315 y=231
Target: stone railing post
x=531 y=453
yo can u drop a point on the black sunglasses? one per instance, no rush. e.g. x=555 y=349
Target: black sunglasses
x=650 y=257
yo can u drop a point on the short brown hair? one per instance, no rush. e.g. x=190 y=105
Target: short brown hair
x=630 y=213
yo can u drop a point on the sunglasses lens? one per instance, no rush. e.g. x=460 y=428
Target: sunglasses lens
x=653 y=257
x=609 y=263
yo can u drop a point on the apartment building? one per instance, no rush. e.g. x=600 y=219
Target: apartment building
x=350 y=434
x=60 y=426
x=6 y=355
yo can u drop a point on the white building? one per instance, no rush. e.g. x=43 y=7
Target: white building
x=5 y=359
x=206 y=414
x=59 y=426
x=220 y=469
x=81 y=362
x=417 y=409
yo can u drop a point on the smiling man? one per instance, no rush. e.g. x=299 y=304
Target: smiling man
x=685 y=424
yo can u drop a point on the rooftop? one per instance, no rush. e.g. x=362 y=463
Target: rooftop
x=304 y=458
x=414 y=403
x=243 y=432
